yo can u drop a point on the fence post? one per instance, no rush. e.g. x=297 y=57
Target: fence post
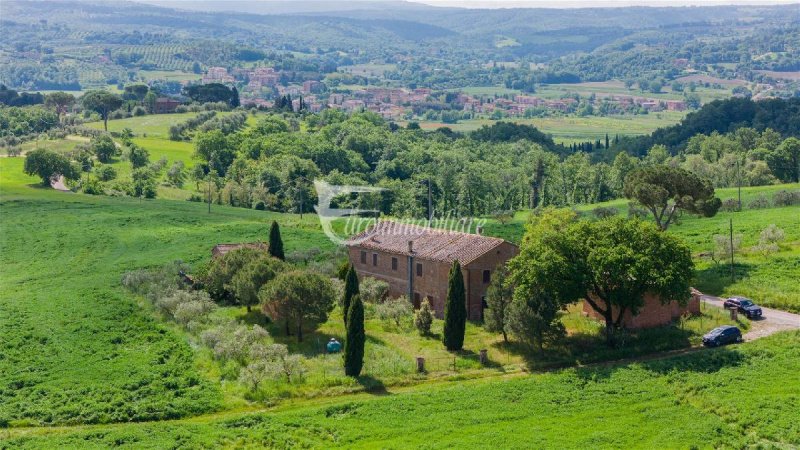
x=483 y=357
x=420 y=364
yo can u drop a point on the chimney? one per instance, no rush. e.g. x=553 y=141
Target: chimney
x=410 y=246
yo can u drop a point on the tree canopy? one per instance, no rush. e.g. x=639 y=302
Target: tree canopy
x=664 y=190
x=611 y=263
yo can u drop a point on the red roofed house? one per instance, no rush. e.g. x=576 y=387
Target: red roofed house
x=416 y=262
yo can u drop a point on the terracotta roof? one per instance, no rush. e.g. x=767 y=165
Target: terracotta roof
x=221 y=249
x=428 y=243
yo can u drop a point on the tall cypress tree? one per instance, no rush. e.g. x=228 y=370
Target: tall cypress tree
x=455 y=310
x=235 y=97
x=350 y=291
x=275 y=242
x=354 y=342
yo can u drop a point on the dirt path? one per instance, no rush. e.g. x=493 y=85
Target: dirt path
x=59 y=185
x=772 y=320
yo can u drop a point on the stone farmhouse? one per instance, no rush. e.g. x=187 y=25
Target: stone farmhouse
x=415 y=261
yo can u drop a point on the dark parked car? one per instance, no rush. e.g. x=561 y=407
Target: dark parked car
x=726 y=334
x=744 y=306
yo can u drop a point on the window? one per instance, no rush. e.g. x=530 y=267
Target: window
x=419 y=269
x=363 y=257
x=374 y=259
x=394 y=263
x=487 y=276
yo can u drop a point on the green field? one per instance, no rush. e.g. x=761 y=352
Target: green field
x=151 y=125
x=568 y=129
x=697 y=400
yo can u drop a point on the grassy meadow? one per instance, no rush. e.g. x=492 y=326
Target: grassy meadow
x=569 y=129
x=694 y=400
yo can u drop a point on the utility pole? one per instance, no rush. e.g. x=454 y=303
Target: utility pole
x=733 y=275
x=430 y=203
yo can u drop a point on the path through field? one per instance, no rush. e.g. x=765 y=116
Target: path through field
x=772 y=321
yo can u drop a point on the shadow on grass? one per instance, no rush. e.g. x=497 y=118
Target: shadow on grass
x=372 y=385
x=585 y=348
x=700 y=361
x=714 y=279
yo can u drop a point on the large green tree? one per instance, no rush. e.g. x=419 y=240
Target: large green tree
x=350 y=290
x=612 y=264
x=48 y=165
x=784 y=161
x=217 y=278
x=275 y=241
x=455 y=310
x=355 y=339
x=665 y=190
x=60 y=101
x=298 y=298
x=101 y=102
x=248 y=281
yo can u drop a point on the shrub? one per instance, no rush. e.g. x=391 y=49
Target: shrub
x=636 y=212
x=259 y=205
x=786 y=198
x=93 y=187
x=604 y=212
x=232 y=342
x=373 y=290
x=730 y=205
x=759 y=202
x=105 y=173
x=770 y=239
x=195 y=310
x=394 y=310
x=139 y=111
x=423 y=319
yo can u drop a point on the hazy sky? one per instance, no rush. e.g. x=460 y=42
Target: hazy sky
x=593 y=3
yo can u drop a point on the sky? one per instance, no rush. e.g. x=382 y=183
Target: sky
x=594 y=3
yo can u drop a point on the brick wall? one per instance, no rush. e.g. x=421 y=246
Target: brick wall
x=652 y=314
x=432 y=284
x=476 y=287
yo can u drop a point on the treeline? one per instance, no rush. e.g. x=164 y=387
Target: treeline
x=723 y=116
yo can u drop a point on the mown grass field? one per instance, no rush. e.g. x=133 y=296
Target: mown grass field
x=735 y=397
x=570 y=129
x=770 y=280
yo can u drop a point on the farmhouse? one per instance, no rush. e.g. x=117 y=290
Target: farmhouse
x=415 y=261
x=165 y=105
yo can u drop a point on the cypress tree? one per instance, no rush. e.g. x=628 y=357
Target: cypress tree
x=350 y=291
x=275 y=242
x=455 y=310
x=354 y=342
x=235 y=97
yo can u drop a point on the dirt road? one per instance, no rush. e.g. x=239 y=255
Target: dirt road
x=772 y=320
